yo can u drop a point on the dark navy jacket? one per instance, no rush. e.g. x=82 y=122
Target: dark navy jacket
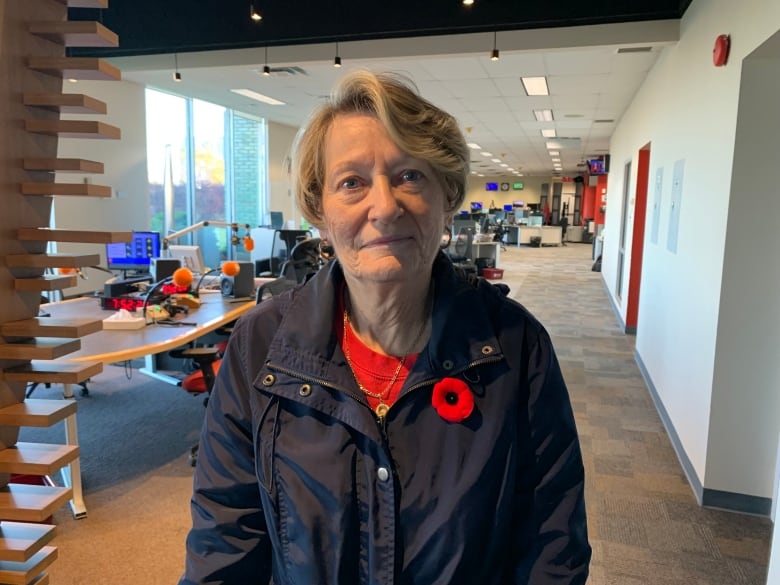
x=297 y=483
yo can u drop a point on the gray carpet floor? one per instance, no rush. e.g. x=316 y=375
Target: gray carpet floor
x=645 y=525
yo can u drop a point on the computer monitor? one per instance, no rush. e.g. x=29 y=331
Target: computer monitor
x=277 y=219
x=190 y=256
x=135 y=255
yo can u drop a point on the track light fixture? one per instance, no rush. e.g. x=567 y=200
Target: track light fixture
x=266 y=68
x=494 y=54
x=254 y=15
x=337 y=59
x=176 y=74
x=468 y=2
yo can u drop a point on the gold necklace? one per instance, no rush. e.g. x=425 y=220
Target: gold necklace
x=381 y=408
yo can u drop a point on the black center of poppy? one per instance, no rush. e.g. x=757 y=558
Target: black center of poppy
x=451 y=398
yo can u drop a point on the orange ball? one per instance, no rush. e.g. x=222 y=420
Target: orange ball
x=249 y=244
x=68 y=270
x=182 y=277
x=230 y=268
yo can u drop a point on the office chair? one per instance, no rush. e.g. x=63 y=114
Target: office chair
x=306 y=257
x=208 y=359
x=283 y=243
x=499 y=233
x=460 y=250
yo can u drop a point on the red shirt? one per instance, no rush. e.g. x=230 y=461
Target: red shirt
x=372 y=370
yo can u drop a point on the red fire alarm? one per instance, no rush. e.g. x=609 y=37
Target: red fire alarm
x=720 y=52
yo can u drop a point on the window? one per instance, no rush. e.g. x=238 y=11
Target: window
x=205 y=163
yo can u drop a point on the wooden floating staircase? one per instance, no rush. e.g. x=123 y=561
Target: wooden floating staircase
x=34 y=349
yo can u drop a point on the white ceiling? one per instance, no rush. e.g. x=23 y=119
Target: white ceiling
x=591 y=84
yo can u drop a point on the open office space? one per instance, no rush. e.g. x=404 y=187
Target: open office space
x=690 y=244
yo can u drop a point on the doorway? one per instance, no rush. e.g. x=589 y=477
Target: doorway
x=623 y=231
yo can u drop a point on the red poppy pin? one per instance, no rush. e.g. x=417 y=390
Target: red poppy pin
x=452 y=399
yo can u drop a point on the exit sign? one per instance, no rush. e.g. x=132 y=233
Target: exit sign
x=517 y=186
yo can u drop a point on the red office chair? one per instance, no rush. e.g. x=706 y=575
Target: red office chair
x=208 y=359
x=201 y=381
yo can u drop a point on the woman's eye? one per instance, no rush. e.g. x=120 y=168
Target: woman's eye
x=351 y=183
x=411 y=175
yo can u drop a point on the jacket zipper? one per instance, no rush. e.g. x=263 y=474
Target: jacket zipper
x=320 y=381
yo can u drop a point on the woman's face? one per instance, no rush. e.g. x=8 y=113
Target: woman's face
x=383 y=210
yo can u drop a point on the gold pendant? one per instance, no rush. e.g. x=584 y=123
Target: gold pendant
x=381 y=409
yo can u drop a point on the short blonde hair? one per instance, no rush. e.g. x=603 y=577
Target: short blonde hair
x=419 y=128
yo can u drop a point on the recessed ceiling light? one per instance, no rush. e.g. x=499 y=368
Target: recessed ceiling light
x=504 y=165
x=486 y=153
x=553 y=153
x=258 y=96
x=535 y=85
x=474 y=146
x=495 y=160
x=543 y=115
x=549 y=133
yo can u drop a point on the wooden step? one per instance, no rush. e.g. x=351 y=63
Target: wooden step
x=36 y=458
x=65 y=103
x=46 y=282
x=31 y=503
x=81 y=236
x=75 y=67
x=51 y=327
x=19 y=541
x=39 y=348
x=74 y=129
x=30 y=571
x=42 y=579
x=63 y=165
x=52 y=373
x=36 y=412
x=75 y=33
x=55 y=260
x=66 y=189
x=85 y=3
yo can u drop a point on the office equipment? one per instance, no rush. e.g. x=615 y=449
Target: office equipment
x=189 y=256
x=135 y=255
x=241 y=284
x=277 y=219
x=164 y=267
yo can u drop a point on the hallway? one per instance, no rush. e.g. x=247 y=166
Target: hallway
x=645 y=525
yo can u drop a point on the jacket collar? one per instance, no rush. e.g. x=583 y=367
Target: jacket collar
x=462 y=332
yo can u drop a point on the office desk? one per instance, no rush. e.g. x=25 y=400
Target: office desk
x=118 y=345
x=489 y=249
x=115 y=345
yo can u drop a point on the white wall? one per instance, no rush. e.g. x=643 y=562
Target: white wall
x=125 y=172
x=280 y=139
x=746 y=388
x=687 y=110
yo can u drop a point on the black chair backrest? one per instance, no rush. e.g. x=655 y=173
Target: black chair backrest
x=460 y=248
x=305 y=258
x=273 y=288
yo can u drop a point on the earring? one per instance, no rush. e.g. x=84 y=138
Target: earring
x=325 y=250
x=446 y=238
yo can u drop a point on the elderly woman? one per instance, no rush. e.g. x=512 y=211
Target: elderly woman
x=389 y=421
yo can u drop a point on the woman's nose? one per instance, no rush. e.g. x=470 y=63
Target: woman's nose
x=384 y=203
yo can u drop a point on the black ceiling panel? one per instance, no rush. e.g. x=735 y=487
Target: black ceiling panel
x=162 y=26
